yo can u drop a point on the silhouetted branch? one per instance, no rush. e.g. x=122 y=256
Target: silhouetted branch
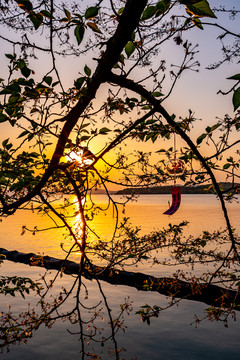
x=203 y=292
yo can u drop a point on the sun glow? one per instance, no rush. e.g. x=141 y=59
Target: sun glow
x=82 y=155
x=79 y=230
x=80 y=227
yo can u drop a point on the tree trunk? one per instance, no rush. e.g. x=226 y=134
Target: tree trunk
x=207 y=293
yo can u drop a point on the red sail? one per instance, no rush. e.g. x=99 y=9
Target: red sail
x=176 y=200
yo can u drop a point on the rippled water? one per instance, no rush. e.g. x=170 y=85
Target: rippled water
x=169 y=337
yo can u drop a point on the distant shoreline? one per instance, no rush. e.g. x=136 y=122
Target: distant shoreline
x=156 y=190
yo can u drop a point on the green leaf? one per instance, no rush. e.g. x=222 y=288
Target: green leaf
x=87 y=70
x=4 y=143
x=200 y=8
x=46 y=13
x=120 y=11
x=94 y=27
x=79 y=16
x=129 y=48
x=25 y=71
x=187 y=21
x=133 y=36
x=25 y=132
x=5 y=91
x=85 y=125
x=121 y=59
x=36 y=19
x=226 y=166
x=104 y=130
x=13 y=99
x=79 y=33
x=25 y=5
x=197 y=23
x=67 y=13
x=78 y=83
x=12 y=122
x=21 y=63
x=65 y=19
x=48 y=80
x=3 y=117
x=157 y=94
x=214 y=127
x=151 y=121
x=154 y=137
x=201 y=138
x=91 y=12
x=24 y=82
x=161 y=150
x=236 y=99
x=234 y=77
x=64 y=102
x=13 y=88
x=148 y=13
x=85 y=138
x=10 y=56
x=162 y=6
x=34 y=154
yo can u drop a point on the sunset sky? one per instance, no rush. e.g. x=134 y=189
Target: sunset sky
x=194 y=90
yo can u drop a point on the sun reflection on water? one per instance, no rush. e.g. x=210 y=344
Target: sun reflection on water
x=78 y=228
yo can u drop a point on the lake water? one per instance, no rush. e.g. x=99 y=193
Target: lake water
x=170 y=336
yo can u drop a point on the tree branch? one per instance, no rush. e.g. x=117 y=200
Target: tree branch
x=128 y=21
x=207 y=293
x=131 y=85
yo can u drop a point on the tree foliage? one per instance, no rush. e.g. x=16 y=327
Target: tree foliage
x=68 y=139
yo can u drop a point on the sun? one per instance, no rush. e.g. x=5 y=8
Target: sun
x=82 y=155
x=75 y=156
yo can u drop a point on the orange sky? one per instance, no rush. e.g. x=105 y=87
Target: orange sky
x=194 y=90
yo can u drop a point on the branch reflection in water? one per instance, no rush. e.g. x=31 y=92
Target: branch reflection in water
x=82 y=305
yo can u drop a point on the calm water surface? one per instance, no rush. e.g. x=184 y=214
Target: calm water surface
x=169 y=337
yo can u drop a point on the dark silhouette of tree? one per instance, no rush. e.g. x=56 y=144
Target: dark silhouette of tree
x=110 y=105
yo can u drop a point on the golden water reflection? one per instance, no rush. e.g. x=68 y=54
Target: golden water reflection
x=202 y=211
